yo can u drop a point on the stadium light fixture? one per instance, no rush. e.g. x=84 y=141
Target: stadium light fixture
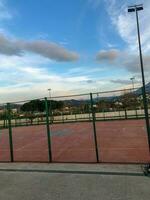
x=136 y=8
x=49 y=91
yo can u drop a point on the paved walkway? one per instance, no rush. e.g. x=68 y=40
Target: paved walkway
x=73 y=182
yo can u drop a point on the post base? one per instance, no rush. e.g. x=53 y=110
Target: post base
x=146 y=169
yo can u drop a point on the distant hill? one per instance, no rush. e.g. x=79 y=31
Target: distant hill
x=74 y=102
x=108 y=98
x=139 y=91
x=13 y=106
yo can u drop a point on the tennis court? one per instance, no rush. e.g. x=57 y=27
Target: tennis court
x=120 y=141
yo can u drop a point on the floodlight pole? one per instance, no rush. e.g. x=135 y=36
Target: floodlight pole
x=135 y=9
x=49 y=90
x=50 y=104
x=132 y=79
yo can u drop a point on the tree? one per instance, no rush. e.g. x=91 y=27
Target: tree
x=103 y=105
x=129 y=101
x=39 y=106
x=55 y=104
x=33 y=106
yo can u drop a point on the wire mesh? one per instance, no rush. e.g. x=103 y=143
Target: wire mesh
x=71 y=129
x=4 y=135
x=29 y=132
x=100 y=127
x=120 y=125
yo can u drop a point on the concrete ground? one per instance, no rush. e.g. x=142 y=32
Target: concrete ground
x=73 y=182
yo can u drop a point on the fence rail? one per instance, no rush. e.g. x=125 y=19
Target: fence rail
x=70 y=118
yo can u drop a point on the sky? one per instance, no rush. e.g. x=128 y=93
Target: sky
x=70 y=46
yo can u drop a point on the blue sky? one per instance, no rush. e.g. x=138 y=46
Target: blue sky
x=70 y=46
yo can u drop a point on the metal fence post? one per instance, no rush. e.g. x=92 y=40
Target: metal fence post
x=10 y=132
x=119 y=114
x=48 y=131
x=63 y=118
x=75 y=117
x=89 y=112
x=126 y=116
x=136 y=114
x=104 y=115
x=94 y=128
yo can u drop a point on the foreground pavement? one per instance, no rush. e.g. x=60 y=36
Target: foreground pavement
x=73 y=182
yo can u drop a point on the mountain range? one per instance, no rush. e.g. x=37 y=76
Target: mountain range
x=75 y=102
x=139 y=91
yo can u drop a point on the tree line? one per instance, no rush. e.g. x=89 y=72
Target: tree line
x=39 y=105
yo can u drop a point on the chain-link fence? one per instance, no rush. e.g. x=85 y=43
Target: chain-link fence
x=120 y=126
x=98 y=127
x=72 y=129
x=121 y=104
x=4 y=134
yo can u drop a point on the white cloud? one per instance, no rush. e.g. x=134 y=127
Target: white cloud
x=4 y=11
x=24 y=78
x=125 y=23
x=44 y=48
x=50 y=50
x=126 y=81
x=109 y=55
x=123 y=59
x=84 y=70
x=11 y=46
x=109 y=45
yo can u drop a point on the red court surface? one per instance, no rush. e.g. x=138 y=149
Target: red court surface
x=118 y=142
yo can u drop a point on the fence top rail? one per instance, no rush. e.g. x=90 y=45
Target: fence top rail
x=22 y=101
x=114 y=91
x=73 y=95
